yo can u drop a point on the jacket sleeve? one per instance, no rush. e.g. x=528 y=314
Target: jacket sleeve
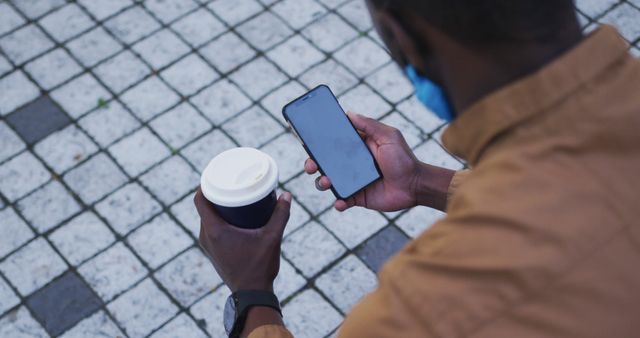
x=456 y=181
x=270 y=331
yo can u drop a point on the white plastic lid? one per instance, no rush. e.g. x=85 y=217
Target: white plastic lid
x=239 y=177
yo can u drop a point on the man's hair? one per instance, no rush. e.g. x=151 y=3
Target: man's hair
x=490 y=21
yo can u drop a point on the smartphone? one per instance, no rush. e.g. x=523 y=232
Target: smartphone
x=327 y=135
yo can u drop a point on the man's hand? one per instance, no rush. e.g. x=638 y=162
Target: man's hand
x=406 y=181
x=246 y=259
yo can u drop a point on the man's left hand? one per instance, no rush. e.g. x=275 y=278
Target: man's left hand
x=246 y=259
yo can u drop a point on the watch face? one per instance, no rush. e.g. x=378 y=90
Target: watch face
x=229 y=314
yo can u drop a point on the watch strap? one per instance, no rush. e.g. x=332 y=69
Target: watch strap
x=245 y=300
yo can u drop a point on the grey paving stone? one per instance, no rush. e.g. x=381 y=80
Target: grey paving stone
x=347 y=282
x=25 y=43
x=180 y=326
x=53 y=68
x=221 y=101
x=44 y=110
x=288 y=280
x=97 y=325
x=303 y=188
x=235 y=11
x=236 y=52
x=311 y=248
x=295 y=55
x=132 y=24
x=309 y=315
x=80 y=95
x=288 y=154
x=431 y=152
x=276 y=100
x=189 y=75
x=35 y=8
x=168 y=10
x=109 y=123
x=159 y=240
x=595 y=8
x=139 y=151
x=298 y=13
x=8 y=298
x=66 y=148
x=9 y=18
x=149 y=98
x=186 y=214
x=329 y=33
x=16 y=90
x=198 y=27
x=208 y=312
x=419 y=115
x=11 y=143
x=353 y=226
x=95 y=178
x=66 y=22
x=128 y=207
x=180 y=125
x=161 y=48
x=625 y=17
x=5 y=66
x=48 y=206
x=142 y=309
x=364 y=101
x=418 y=220
x=95 y=45
x=362 y=56
x=390 y=82
x=113 y=271
x=32 y=266
x=410 y=132
x=357 y=14
x=340 y=80
x=15 y=231
x=189 y=277
x=253 y=128
x=20 y=324
x=103 y=9
x=21 y=175
x=63 y=303
x=82 y=237
x=122 y=71
x=379 y=248
x=171 y=180
x=258 y=78
x=264 y=31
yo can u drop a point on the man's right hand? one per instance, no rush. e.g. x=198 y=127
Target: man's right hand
x=399 y=167
x=406 y=181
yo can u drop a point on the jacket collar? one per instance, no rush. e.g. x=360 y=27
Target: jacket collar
x=472 y=132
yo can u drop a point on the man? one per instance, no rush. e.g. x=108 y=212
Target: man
x=541 y=238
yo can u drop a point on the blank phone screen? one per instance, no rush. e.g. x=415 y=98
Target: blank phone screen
x=331 y=139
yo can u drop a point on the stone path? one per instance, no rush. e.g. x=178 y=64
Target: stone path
x=110 y=109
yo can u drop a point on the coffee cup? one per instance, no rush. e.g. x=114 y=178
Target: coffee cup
x=241 y=184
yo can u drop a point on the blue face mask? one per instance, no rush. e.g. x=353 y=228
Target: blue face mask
x=431 y=95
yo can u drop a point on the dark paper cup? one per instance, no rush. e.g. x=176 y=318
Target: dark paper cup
x=241 y=184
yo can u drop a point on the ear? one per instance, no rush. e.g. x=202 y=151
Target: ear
x=401 y=40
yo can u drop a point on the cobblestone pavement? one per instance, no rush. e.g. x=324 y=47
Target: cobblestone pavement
x=110 y=109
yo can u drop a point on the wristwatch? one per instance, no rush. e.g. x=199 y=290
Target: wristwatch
x=237 y=307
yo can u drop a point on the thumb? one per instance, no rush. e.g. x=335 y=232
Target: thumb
x=280 y=216
x=372 y=128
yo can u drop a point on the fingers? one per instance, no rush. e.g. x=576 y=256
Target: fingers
x=342 y=205
x=372 y=128
x=280 y=216
x=323 y=183
x=310 y=166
